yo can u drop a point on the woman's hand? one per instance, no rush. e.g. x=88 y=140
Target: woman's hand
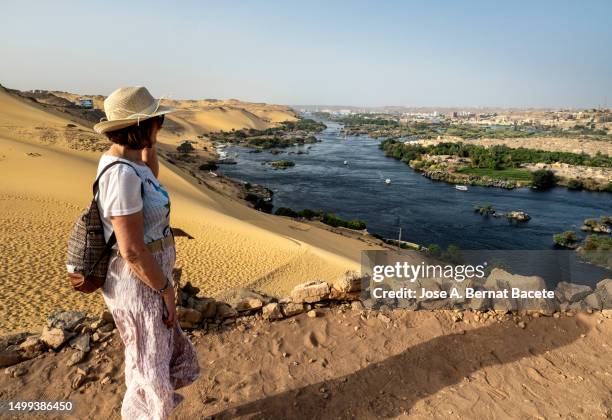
x=170 y=303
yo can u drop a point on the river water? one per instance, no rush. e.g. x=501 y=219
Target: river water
x=427 y=211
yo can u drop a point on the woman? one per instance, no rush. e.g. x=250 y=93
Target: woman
x=138 y=289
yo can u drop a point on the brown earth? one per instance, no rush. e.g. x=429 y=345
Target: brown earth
x=353 y=364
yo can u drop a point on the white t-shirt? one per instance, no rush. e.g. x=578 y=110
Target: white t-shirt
x=119 y=194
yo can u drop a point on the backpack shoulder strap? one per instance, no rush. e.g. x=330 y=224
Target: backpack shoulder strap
x=107 y=167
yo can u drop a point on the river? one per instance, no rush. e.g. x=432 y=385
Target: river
x=427 y=211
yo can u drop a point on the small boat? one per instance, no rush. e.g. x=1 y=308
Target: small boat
x=387 y=181
x=211 y=173
x=345 y=162
x=461 y=187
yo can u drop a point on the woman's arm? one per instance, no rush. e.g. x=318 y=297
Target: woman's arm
x=149 y=156
x=129 y=231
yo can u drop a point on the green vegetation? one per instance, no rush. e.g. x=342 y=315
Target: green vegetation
x=259 y=203
x=484 y=210
x=452 y=253
x=543 y=179
x=287 y=134
x=282 y=164
x=512 y=174
x=306 y=124
x=359 y=120
x=501 y=164
x=185 y=147
x=575 y=184
x=208 y=166
x=328 y=218
x=567 y=239
x=495 y=157
x=597 y=249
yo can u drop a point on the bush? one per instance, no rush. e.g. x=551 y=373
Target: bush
x=567 y=239
x=435 y=250
x=543 y=179
x=185 y=147
x=575 y=184
x=285 y=211
x=208 y=166
x=309 y=214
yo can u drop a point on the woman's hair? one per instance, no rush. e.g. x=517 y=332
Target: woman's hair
x=136 y=136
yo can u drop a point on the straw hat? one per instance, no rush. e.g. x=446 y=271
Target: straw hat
x=128 y=106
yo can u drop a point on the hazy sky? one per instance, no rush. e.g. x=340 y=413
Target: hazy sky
x=439 y=53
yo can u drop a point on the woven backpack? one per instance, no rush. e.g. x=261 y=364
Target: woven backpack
x=88 y=251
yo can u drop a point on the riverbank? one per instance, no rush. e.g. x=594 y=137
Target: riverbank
x=502 y=166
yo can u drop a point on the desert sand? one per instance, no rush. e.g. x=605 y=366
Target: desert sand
x=46 y=172
x=357 y=364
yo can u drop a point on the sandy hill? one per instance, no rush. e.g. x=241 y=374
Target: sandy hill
x=47 y=165
x=197 y=117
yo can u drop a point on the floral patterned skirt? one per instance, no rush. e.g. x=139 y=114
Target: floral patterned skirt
x=158 y=360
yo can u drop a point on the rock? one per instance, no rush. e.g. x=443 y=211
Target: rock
x=310 y=292
x=224 y=311
x=429 y=284
x=335 y=294
x=243 y=299
x=66 y=320
x=357 y=305
x=351 y=282
x=206 y=306
x=105 y=380
x=312 y=313
x=291 y=309
x=384 y=318
x=32 y=347
x=604 y=290
x=16 y=371
x=519 y=216
x=500 y=279
x=77 y=381
x=54 y=337
x=81 y=342
x=106 y=328
x=593 y=301
x=272 y=311
x=249 y=304
x=98 y=323
x=190 y=290
x=13 y=339
x=9 y=357
x=107 y=316
x=76 y=357
x=521 y=324
x=571 y=292
x=188 y=315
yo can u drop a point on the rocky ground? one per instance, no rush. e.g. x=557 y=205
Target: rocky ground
x=319 y=353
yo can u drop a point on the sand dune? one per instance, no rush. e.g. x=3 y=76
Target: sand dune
x=44 y=185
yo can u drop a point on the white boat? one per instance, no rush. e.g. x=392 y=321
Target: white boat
x=461 y=187
x=211 y=173
x=346 y=162
x=387 y=181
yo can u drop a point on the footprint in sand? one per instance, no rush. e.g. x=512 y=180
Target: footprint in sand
x=33 y=154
